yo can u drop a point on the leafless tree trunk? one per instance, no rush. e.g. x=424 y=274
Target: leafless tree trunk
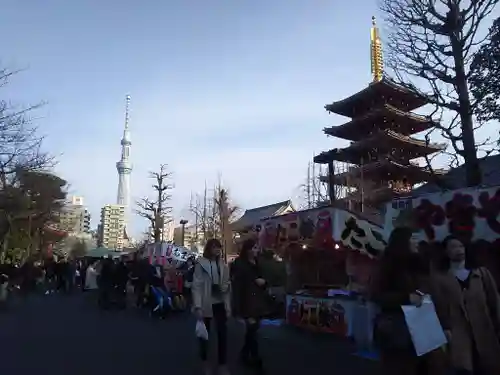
x=431 y=44
x=156 y=210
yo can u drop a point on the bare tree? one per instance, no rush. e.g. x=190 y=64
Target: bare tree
x=213 y=215
x=157 y=210
x=21 y=156
x=431 y=44
x=20 y=142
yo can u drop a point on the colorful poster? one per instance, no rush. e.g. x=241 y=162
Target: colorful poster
x=471 y=214
x=329 y=315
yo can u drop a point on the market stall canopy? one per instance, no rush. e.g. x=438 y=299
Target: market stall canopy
x=253 y=216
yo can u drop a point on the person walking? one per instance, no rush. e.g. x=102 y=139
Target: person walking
x=211 y=301
x=403 y=279
x=50 y=275
x=250 y=300
x=472 y=304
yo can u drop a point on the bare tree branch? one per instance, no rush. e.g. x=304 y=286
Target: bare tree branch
x=157 y=211
x=431 y=44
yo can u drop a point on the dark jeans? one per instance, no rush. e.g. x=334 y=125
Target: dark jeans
x=139 y=293
x=105 y=291
x=250 y=350
x=220 y=318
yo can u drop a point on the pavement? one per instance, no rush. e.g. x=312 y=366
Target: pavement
x=61 y=334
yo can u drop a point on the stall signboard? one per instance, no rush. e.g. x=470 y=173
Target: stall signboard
x=470 y=214
x=329 y=315
x=161 y=253
x=324 y=228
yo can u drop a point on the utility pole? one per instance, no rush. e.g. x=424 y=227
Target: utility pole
x=314 y=181
x=183 y=231
x=205 y=214
x=308 y=186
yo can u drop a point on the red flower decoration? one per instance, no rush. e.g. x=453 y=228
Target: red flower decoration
x=429 y=215
x=490 y=209
x=461 y=214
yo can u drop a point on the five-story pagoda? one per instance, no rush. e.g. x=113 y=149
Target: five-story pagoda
x=382 y=152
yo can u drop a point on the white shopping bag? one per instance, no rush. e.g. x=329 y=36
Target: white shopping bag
x=424 y=326
x=201 y=330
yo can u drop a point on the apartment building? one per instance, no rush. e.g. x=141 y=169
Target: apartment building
x=112 y=227
x=74 y=217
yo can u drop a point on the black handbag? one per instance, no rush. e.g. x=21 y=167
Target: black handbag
x=391 y=332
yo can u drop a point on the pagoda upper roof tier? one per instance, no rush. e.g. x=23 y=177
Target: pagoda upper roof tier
x=384 y=170
x=387 y=142
x=377 y=196
x=375 y=95
x=383 y=118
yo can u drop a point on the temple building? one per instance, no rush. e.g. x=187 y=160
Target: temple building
x=382 y=151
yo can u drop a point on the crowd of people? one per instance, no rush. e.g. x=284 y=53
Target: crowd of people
x=465 y=296
x=466 y=300
x=115 y=282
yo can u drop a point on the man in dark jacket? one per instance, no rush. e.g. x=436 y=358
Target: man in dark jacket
x=120 y=282
x=139 y=277
x=106 y=282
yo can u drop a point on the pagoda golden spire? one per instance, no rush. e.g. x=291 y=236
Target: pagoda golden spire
x=376 y=53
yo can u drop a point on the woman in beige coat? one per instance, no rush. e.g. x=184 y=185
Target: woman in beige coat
x=470 y=306
x=211 y=301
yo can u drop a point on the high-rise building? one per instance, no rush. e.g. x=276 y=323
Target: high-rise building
x=124 y=166
x=74 y=217
x=112 y=227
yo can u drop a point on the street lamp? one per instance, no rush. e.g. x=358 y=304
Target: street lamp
x=183 y=223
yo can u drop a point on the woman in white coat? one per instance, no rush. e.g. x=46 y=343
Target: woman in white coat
x=91 y=277
x=210 y=291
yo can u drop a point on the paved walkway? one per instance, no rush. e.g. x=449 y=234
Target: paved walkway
x=58 y=335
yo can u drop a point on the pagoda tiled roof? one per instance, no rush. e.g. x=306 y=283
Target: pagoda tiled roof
x=386 y=90
x=358 y=128
x=383 y=142
x=375 y=196
x=390 y=168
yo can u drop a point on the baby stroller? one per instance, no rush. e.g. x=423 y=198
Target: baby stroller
x=160 y=302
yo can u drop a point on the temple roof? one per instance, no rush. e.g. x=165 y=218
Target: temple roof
x=389 y=169
x=455 y=178
x=385 y=142
x=254 y=215
x=383 y=118
x=384 y=90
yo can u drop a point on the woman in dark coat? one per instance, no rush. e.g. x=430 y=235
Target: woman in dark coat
x=403 y=279
x=249 y=299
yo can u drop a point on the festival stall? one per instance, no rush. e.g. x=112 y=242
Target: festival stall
x=472 y=214
x=164 y=253
x=330 y=254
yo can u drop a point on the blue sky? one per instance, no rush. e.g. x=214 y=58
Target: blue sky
x=230 y=88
